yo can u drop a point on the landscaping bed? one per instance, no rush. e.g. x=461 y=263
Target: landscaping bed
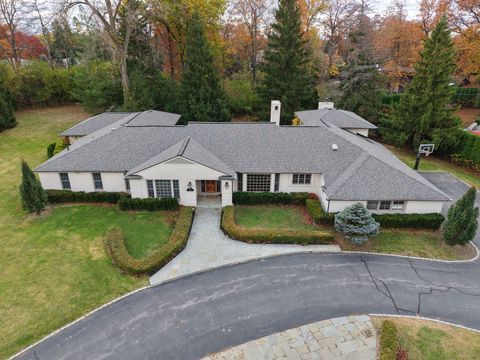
x=425 y=340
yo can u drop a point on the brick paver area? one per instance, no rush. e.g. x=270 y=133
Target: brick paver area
x=346 y=338
x=208 y=247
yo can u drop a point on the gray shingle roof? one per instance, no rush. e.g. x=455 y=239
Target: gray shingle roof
x=360 y=169
x=341 y=118
x=101 y=121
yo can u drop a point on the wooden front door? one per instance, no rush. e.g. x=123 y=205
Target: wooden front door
x=210 y=186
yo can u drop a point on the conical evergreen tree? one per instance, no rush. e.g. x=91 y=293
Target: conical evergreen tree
x=356 y=223
x=289 y=75
x=34 y=198
x=202 y=98
x=7 y=115
x=462 y=220
x=424 y=113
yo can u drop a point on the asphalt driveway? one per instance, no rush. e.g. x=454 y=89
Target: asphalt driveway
x=195 y=315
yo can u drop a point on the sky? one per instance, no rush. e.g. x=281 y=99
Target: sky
x=380 y=6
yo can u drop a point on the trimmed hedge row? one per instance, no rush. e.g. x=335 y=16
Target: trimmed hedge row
x=271 y=236
x=149 y=204
x=255 y=198
x=67 y=196
x=115 y=246
x=388 y=341
x=431 y=221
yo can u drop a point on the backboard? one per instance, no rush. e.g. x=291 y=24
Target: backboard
x=426 y=149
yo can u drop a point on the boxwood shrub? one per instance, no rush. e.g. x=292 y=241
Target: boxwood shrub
x=67 y=196
x=388 y=341
x=431 y=221
x=149 y=204
x=255 y=198
x=271 y=236
x=116 y=248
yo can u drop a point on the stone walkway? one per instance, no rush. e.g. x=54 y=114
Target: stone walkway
x=345 y=338
x=208 y=247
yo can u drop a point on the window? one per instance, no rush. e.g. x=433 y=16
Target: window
x=258 y=182
x=176 y=189
x=65 y=181
x=151 y=193
x=302 y=179
x=385 y=205
x=276 y=185
x=127 y=184
x=372 y=205
x=163 y=188
x=97 y=181
x=397 y=205
x=239 y=182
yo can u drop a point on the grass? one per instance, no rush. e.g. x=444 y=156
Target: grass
x=432 y=163
x=53 y=268
x=409 y=242
x=428 y=340
x=272 y=217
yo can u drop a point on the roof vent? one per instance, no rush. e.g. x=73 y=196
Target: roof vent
x=334 y=147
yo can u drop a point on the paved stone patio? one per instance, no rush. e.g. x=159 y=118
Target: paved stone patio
x=208 y=247
x=345 y=338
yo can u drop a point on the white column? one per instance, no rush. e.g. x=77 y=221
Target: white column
x=227 y=190
x=244 y=182
x=272 y=182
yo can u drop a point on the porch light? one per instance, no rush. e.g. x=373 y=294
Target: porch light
x=189 y=186
x=226 y=185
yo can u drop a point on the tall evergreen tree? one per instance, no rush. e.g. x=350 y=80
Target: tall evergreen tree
x=7 y=115
x=424 y=113
x=34 y=198
x=289 y=75
x=461 y=224
x=201 y=96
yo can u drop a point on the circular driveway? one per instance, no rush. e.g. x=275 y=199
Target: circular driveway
x=202 y=313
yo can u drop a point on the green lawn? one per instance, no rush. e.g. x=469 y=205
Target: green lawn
x=432 y=163
x=272 y=217
x=53 y=268
x=428 y=340
x=422 y=243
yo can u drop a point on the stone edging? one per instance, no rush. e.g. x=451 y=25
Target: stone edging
x=426 y=319
x=243 y=262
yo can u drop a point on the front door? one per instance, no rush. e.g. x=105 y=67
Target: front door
x=210 y=186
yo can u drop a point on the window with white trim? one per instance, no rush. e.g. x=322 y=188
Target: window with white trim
x=384 y=205
x=127 y=184
x=65 y=181
x=239 y=182
x=302 y=179
x=276 y=185
x=176 y=189
x=258 y=182
x=398 y=205
x=97 y=181
x=372 y=205
x=151 y=192
x=163 y=189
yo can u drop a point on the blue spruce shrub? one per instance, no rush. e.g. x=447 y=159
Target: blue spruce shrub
x=356 y=223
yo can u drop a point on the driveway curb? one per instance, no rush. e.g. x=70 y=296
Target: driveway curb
x=427 y=319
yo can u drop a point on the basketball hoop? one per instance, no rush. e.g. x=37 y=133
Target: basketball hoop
x=425 y=149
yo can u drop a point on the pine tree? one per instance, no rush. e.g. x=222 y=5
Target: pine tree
x=289 y=75
x=356 y=223
x=201 y=96
x=7 y=115
x=34 y=198
x=461 y=224
x=424 y=113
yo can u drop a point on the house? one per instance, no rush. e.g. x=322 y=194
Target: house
x=148 y=156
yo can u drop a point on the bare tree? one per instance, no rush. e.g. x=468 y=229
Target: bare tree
x=10 y=12
x=109 y=13
x=252 y=14
x=336 y=23
x=39 y=10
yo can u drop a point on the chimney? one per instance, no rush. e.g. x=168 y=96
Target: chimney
x=275 y=112
x=325 y=105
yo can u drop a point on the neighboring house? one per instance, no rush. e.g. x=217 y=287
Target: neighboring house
x=151 y=159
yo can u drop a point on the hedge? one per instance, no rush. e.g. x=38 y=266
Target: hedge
x=149 y=204
x=255 y=198
x=388 y=341
x=116 y=248
x=431 y=221
x=67 y=196
x=271 y=236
